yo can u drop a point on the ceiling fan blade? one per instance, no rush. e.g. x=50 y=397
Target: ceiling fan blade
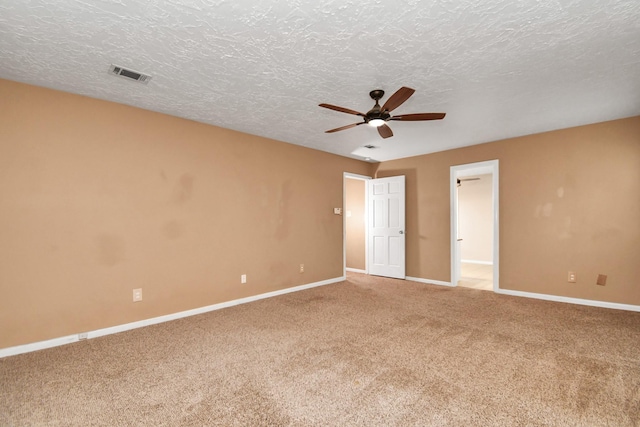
x=397 y=98
x=341 y=109
x=385 y=131
x=419 y=116
x=352 y=125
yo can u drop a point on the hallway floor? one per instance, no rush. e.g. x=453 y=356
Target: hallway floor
x=476 y=276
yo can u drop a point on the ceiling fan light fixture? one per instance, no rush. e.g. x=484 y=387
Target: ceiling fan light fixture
x=376 y=122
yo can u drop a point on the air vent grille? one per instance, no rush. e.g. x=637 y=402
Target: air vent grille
x=125 y=73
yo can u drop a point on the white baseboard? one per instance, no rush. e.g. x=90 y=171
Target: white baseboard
x=355 y=270
x=546 y=297
x=41 y=345
x=578 y=301
x=473 y=261
x=429 y=281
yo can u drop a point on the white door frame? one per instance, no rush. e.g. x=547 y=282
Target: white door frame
x=490 y=166
x=350 y=175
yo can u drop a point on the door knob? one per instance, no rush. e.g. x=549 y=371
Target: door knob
x=401 y=232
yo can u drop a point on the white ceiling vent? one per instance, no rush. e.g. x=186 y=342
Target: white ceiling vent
x=125 y=73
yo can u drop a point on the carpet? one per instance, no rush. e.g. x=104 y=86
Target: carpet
x=368 y=351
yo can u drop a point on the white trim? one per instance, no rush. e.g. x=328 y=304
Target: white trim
x=473 y=261
x=40 y=345
x=579 y=301
x=453 y=215
x=429 y=281
x=492 y=167
x=356 y=270
x=356 y=176
x=55 y=342
x=545 y=297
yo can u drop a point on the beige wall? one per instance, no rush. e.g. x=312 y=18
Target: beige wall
x=354 y=221
x=98 y=198
x=475 y=218
x=569 y=200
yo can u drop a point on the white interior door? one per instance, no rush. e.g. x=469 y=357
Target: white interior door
x=386 y=238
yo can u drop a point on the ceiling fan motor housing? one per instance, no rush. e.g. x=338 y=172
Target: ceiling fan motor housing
x=376 y=112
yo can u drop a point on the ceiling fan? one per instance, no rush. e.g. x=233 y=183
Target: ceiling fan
x=378 y=116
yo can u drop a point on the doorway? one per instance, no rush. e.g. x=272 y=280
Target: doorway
x=355 y=223
x=474 y=225
x=475 y=231
x=373 y=225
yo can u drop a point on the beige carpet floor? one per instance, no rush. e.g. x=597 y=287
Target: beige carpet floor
x=365 y=352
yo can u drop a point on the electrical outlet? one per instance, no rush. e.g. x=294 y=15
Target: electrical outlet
x=301 y=268
x=137 y=295
x=602 y=280
x=571 y=277
x=243 y=278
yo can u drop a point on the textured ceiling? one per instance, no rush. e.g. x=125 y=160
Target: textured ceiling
x=498 y=68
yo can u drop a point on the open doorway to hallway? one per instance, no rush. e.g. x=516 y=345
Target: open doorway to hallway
x=355 y=256
x=474 y=225
x=475 y=231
